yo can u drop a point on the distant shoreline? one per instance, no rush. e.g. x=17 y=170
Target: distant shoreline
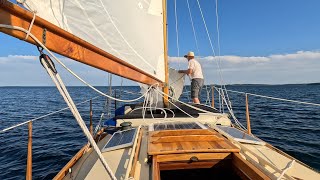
x=186 y=85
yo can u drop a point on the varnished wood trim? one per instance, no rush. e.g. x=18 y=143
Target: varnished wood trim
x=194 y=151
x=68 y=45
x=136 y=154
x=187 y=165
x=246 y=169
x=184 y=138
x=166 y=65
x=64 y=171
x=155 y=169
x=186 y=157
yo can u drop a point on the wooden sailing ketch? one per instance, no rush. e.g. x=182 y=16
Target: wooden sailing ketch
x=204 y=146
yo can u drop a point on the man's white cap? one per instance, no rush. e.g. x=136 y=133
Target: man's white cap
x=190 y=53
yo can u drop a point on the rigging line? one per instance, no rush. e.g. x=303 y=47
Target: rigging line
x=177 y=32
x=275 y=98
x=105 y=107
x=31 y=24
x=210 y=42
x=121 y=87
x=110 y=92
x=212 y=48
x=69 y=70
x=124 y=39
x=194 y=32
x=205 y=25
x=219 y=47
x=219 y=90
x=161 y=93
x=190 y=106
x=66 y=96
x=43 y=116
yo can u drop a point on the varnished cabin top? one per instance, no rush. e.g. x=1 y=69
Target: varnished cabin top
x=188 y=141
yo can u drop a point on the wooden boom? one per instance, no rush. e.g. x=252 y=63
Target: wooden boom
x=68 y=45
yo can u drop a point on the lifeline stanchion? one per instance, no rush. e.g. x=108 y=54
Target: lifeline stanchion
x=29 y=156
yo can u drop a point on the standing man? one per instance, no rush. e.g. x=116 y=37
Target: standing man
x=195 y=73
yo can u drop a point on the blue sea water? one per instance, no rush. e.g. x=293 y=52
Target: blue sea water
x=293 y=128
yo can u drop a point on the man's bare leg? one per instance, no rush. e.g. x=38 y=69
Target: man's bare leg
x=196 y=100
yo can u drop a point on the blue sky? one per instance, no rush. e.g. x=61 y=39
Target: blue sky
x=271 y=41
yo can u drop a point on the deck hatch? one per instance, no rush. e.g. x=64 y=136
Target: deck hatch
x=120 y=139
x=176 y=126
x=240 y=136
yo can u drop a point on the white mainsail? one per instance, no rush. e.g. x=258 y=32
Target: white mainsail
x=176 y=84
x=131 y=30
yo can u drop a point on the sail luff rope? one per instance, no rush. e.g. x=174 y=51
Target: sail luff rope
x=43 y=116
x=64 y=93
x=69 y=70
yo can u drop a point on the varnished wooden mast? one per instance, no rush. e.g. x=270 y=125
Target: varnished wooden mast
x=166 y=65
x=66 y=44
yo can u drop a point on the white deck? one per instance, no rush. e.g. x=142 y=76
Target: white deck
x=90 y=167
x=280 y=161
x=271 y=162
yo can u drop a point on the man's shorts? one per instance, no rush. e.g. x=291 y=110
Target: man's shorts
x=196 y=86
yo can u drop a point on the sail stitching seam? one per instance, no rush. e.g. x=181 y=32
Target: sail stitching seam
x=92 y=24
x=125 y=38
